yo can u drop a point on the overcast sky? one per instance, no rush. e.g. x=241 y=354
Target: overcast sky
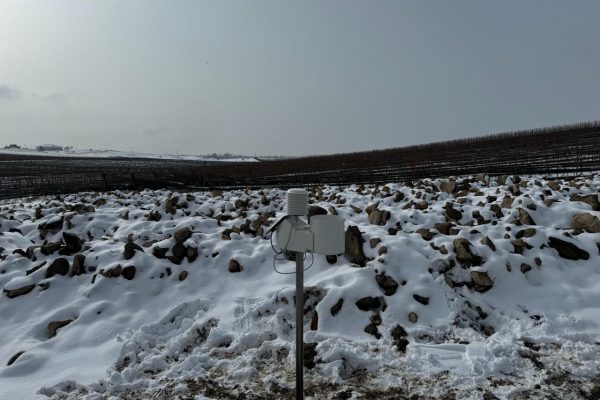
x=283 y=77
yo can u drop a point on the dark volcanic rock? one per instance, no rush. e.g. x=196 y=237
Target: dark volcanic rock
x=452 y=214
x=399 y=337
x=56 y=325
x=310 y=354
x=179 y=252
x=234 y=266
x=73 y=244
x=370 y=303
x=525 y=218
x=183 y=234
x=443 y=227
x=486 y=241
x=387 y=284
x=379 y=217
x=529 y=232
x=191 y=254
x=316 y=210
x=331 y=259
x=78 y=265
x=568 y=250
x=421 y=299
x=14 y=358
x=129 y=250
x=464 y=255
x=497 y=210
x=481 y=281
x=371 y=329
x=12 y=293
x=354 y=246
x=128 y=272
x=50 y=248
x=60 y=266
x=337 y=307
x=159 y=252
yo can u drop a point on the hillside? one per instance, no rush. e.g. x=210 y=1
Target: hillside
x=475 y=288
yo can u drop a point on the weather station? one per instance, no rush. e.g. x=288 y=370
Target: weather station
x=299 y=233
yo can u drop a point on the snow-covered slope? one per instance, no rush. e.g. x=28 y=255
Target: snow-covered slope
x=471 y=288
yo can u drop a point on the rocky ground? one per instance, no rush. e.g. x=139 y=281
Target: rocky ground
x=473 y=287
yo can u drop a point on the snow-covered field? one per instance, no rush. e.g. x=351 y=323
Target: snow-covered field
x=466 y=289
x=116 y=153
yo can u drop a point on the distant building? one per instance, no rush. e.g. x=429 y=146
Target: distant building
x=12 y=146
x=49 y=147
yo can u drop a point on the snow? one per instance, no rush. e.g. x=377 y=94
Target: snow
x=117 y=153
x=158 y=335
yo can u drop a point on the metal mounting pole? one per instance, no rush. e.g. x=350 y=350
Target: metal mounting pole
x=299 y=326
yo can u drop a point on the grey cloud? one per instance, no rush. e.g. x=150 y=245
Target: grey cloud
x=9 y=93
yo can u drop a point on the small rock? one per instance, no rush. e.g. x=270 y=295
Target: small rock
x=14 y=358
x=310 y=353
x=421 y=299
x=18 y=287
x=56 y=325
x=371 y=329
x=422 y=205
x=183 y=234
x=179 y=252
x=587 y=222
x=331 y=259
x=73 y=244
x=316 y=210
x=464 y=255
x=128 y=272
x=337 y=307
x=159 y=252
x=191 y=254
x=314 y=321
x=60 y=266
x=525 y=268
x=183 y=275
x=370 y=303
x=379 y=217
x=413 y=317
x=50 y=248
x=529 y=232
x=481 y=281
x=525 y=218
x=448 y=186
x=486 y=241
x=154 y=215
x=354 y=246
x=373 y=242
x=387 y=284
x=443 y=227
x=426 y=234
x=399 y=338
x=497 y=210
x=78 y=265
x=452 y=214
x=234 y=266
x=568 y=250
